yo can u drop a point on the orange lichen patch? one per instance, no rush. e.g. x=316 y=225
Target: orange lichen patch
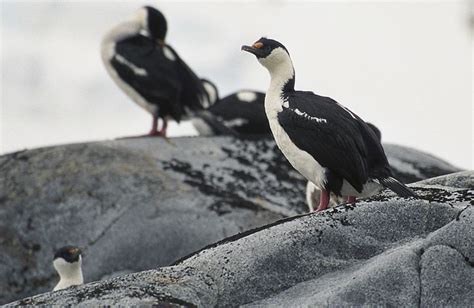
x=257 y=45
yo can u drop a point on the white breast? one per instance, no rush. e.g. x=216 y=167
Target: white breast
x=70 y=274
x=118 y=33
x=303 y=162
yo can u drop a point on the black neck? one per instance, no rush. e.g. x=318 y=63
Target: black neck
x=289 y=85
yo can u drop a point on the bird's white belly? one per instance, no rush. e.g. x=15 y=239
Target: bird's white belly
x=303 y=162
x=369 y=189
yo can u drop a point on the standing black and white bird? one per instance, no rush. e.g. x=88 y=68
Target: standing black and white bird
x=150 y=71
x=242 y=112
x=68 y=263
x=327 y=143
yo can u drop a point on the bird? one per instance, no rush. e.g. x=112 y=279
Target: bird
x=326 y=142
x=68 y=263
x=150 y=71
x=313 y=192
x=241 y=112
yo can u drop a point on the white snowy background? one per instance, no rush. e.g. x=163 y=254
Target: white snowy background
x=405 y=66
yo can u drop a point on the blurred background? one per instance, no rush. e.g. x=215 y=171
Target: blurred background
x=405 y=66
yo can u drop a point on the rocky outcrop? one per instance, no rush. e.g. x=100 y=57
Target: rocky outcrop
x=137 y=204
x=385 y=251
x=410 y=165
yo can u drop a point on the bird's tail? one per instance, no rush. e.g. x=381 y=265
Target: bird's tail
x=399 y=188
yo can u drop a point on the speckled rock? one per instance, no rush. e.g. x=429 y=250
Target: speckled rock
x=165 y=287
x=384 y=251
x=460 y=180
x=144 y=196
x=131 y=205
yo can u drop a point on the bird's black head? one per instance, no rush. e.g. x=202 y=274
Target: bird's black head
x=70 y=254
x=264 y=47
x=274 y=57
x=156 y=23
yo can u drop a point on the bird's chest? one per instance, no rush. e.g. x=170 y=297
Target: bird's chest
x=303 y=162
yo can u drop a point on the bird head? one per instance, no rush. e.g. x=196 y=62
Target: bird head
x=270 y=53
x=154 y=22
x=67 y=261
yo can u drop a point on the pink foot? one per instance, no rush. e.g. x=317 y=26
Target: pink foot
x=351 y=199
x=323 y=201
x=154 y=132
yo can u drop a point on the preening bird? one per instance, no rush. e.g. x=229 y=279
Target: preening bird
x=150 y=71
x=241 y=112
x=326 y=142
x=68 y=263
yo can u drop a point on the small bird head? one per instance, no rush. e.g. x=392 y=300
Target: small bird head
x=270 y=53
x=67 y=260
x=155 y=23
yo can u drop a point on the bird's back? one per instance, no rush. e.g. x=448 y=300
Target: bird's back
x=158 y=74
x=244 y=111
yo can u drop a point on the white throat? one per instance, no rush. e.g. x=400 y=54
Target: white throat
x=280 y=67
x=70 y=274
x=281 y=70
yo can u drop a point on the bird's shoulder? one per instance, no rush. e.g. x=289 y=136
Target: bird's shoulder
x=307 y=103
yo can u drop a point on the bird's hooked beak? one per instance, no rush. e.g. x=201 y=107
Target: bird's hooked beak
x=255 y=49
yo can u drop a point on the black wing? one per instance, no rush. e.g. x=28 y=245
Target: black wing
x=337 y=138
x=164 y=82
x=144 y=67
x=194 y=95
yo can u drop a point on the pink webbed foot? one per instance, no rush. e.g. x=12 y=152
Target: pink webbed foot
x=323 y=201
x=351 y=200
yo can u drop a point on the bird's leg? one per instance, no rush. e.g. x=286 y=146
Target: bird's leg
x=162 y=131
x=154 y=124
x=323 y=200
x=351 y=199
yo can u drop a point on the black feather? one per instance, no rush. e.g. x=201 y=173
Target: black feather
x=168 y=84
x=398 y=187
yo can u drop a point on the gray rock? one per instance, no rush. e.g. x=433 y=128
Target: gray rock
x=137 y=204
x=165 y=287
x=410 y=165
x=389 y=279
x=126 y=203
x=458 y=180
x=447 y=278
x=390 y=251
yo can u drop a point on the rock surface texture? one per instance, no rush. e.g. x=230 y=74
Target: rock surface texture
x=139 y=204
x=388 y=251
